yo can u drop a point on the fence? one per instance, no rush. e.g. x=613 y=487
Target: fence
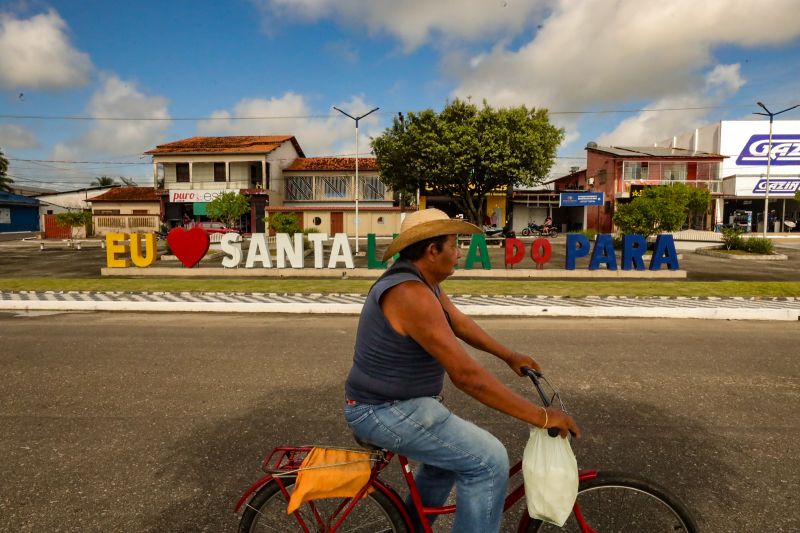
x=125 y=223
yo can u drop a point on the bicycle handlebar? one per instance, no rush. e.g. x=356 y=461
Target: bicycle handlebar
x=534 y=375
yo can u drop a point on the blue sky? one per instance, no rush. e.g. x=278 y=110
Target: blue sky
x=244 y=67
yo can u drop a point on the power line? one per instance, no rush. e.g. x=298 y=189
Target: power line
x=294 y=117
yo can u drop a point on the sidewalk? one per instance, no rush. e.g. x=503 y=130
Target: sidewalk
x=785 y=309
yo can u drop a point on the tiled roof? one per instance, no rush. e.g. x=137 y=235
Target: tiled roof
x=229 y=144
x=128 y=194
x=333 y=163
x=650 y=151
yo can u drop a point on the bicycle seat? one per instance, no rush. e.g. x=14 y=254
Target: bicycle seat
x=367 y=445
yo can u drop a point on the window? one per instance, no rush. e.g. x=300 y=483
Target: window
x=673 y=172
x=182 y=172
x=219 y=172
x=372 y=188
x=317 y=221
x=635 y=171
x=140 y=212
x=106 y=212
x=299 y=188
x=380 y=220
x=335 y=186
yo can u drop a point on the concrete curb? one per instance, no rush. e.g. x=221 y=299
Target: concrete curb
x=713 y=252
x=714 y=313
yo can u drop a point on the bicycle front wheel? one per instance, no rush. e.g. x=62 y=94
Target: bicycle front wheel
x=266 y=513
x=619 y=503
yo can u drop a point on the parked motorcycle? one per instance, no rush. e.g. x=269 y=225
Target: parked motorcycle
x=534 y=229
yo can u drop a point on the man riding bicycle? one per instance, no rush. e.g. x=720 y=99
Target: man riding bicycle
x=407 y=340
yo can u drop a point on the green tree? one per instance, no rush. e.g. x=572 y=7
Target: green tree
x=75 y=220
x=228 y=207
x=104 y=181
x=5 y=181
x=697 y=200
x=283 y=222
x=797 y=196
x=658 y=209
x=465 y=152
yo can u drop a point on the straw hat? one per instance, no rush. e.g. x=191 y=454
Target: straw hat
x=424 y=224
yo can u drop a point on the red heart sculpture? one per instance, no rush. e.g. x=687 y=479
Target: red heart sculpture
x=188 y=246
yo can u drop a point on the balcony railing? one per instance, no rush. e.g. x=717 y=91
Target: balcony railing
x=125 y=223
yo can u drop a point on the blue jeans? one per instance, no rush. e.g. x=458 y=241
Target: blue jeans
x=450 y=450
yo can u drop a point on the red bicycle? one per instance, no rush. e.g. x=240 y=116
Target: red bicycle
x=607 y=501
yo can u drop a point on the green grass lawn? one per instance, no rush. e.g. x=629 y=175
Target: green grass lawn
x=491 y=287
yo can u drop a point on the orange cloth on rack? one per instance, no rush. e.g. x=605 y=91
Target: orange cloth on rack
x=330 y=473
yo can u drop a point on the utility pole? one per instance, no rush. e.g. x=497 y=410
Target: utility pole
x=356 y=191
x=769 y=157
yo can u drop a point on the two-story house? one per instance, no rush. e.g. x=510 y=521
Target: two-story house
x=273 y=172
x=198 y=169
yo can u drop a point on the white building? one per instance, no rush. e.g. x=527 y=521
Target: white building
x=744 y=171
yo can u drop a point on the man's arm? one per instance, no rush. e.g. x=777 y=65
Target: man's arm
x=470 y=332
x=413 y=310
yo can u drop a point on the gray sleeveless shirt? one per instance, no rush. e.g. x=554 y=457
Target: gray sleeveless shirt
x=388 y=366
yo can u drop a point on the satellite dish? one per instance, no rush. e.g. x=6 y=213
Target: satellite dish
x=591 y=144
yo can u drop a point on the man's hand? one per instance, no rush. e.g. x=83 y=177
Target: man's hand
x=518 y=361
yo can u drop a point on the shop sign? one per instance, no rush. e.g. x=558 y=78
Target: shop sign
x=777 y=186
x=580 y=199
x=785 y=150
x=200 y=195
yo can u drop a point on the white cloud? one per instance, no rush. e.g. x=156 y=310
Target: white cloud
x=17 y=137
x=589 y=53
x=37 y=53
x=332 y=134
x=119 y=98
x=647 y=127
x=414 y=22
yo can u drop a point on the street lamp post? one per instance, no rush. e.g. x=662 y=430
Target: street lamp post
x=769 y=156
x=356 y=192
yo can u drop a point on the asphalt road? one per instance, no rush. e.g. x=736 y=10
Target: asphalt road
x=116 y=422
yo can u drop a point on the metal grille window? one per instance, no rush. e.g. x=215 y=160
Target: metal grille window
x=335 y=186
x=372 y=188
x=300 y=188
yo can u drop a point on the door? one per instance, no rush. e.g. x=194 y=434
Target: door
x=337 y=223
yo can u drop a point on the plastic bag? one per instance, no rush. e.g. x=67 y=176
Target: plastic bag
x=550 y=472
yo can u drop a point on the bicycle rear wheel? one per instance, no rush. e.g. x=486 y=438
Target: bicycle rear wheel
x=266 y=513
x=619 y=503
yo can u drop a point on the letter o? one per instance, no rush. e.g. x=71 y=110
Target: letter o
x=541 y=251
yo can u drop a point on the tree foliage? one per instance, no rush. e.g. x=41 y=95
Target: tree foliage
x=284 y=222
x=658 y=209
x=5 y=181
x=228 y=208
x=465 y=152
x=104 y=181
x=74 y=220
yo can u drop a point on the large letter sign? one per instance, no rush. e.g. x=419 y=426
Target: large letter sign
x=117 y=250
x=633 y=248
x=664 y=253
x=603 y=253
x=478 y=252
x=577 y=246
